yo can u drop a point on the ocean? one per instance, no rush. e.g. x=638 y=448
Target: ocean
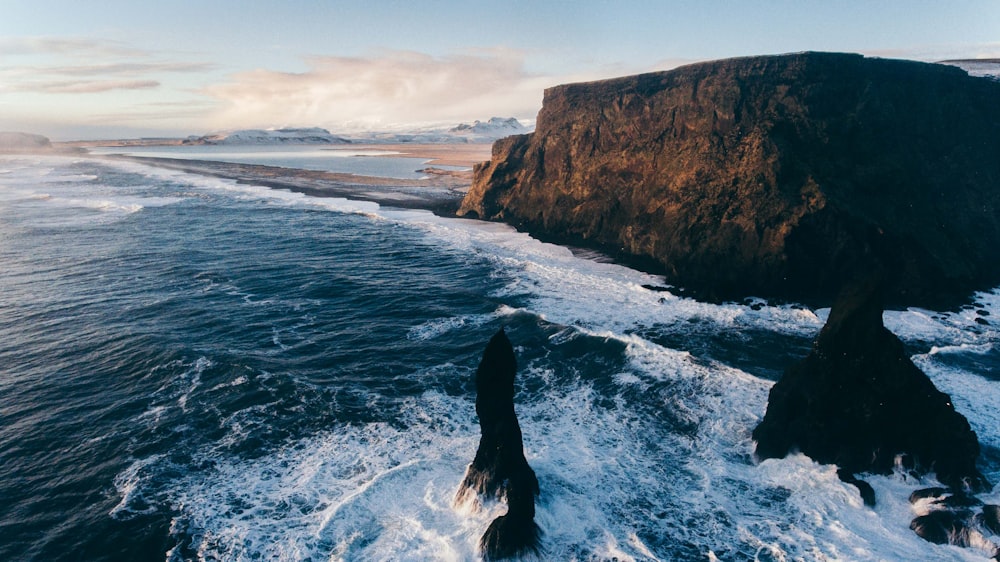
x=195 y=369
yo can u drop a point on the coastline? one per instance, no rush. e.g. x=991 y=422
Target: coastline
x=440 y=192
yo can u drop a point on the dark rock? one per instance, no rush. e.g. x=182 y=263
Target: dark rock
x=775 y=176
x=864 y=488
x=944 y=527
x=991 y=518
x=925 y=493
x=499 y=469
x=857 y=401
x=959 y=499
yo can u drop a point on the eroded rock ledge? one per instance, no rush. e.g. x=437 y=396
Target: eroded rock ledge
x=774 y=176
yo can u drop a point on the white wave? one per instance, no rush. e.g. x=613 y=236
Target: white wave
x=973 y=325
x=615 y=483
x=129 y=485
x=371 y=492
x=615 y=479
x=974 y=396
x=570 y=290
x=439 y=326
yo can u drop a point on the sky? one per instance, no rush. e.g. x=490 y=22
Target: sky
x=75 y=70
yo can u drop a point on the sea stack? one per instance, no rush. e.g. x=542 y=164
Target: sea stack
x=857 y=401
x=780 y=177
x=499 y=469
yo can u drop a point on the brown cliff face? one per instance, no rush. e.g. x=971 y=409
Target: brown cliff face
x=779 y=176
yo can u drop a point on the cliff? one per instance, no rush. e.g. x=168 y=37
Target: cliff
x=776 y=176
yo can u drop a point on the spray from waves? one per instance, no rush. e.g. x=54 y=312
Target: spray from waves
x=55 y=184
x=660 y=464
x=648 y=458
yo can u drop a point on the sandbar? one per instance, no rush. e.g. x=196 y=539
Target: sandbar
x=440 y=191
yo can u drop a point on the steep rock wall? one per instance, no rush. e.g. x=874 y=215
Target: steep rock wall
x=776 y=176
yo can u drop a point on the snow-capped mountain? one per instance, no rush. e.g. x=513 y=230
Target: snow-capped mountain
x=310 y=135
x=495 y=128
x=476 y=132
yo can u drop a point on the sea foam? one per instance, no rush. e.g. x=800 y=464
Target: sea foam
x=651 y=460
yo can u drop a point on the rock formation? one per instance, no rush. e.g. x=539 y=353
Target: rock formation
x=857 y=401
x=23 y=142
x=499 y=469
x=946 y=517
x=775 y=176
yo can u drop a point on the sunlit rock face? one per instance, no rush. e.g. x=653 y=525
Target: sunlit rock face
x=775 y=176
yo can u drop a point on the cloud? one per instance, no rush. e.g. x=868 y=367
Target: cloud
x=81 y=86
x=67 y=46
x=67 y=66
x=386 y=90
x=113 y=69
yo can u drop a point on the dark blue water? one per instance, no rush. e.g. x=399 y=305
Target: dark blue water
x=195 y=370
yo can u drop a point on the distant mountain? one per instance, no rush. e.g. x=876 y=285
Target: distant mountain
x=310 y=135
x=988 y=68
x=476 y=132
x=495 y=128
x=23 y=142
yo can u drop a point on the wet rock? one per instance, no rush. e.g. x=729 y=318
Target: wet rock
x=864 y=488
x=499 y=468
x=991 y=518
x=857 y=401
x=944 y=527
x=924 y=493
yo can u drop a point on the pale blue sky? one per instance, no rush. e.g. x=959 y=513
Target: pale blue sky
x=72 y=69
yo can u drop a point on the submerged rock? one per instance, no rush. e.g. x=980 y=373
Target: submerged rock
x=857 y=401
x=775 y=176
x=864 y=488
x=944 y=517
x=499 y=468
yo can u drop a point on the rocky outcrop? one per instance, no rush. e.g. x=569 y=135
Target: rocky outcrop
x=947 y=517
x=857 y=401
x=774 y=176
x=23 y=142
x=499 y=469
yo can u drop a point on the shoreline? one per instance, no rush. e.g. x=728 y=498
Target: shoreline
x=440 y=192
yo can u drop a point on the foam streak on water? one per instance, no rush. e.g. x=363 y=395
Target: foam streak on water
x=263 y=375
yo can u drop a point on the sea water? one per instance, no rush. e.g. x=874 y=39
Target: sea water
x=192 y=369
x=344 y=160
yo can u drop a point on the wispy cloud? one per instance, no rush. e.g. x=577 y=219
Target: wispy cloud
x=67 y=46
x=113 y=69
x=384 y=90
x=67 y=66
x=80 y=86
